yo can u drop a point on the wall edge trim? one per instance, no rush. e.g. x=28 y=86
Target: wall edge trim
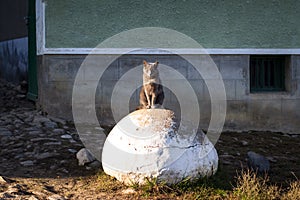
x=116 y=51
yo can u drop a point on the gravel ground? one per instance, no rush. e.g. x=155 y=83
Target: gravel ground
x=38 y=155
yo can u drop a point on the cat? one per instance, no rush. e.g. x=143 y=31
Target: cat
x=151 y=94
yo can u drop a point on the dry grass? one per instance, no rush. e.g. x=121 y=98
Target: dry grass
x=248 y=186
x=293 y=192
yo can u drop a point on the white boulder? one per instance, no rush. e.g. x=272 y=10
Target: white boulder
x=148 y=144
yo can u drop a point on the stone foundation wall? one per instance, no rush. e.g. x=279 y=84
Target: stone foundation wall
x=275 y=111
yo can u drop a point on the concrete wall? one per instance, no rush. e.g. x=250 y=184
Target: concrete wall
x=212 y=23
x=276 y=111
x=14 y=60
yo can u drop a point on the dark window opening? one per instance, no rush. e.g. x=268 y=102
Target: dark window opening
x=267 y=73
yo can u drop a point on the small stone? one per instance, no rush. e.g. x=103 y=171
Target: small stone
x=64 y=171
x=40 y=119
x=28 y=119
x=72 y=151
x=32 y=198
x=21 y=96
x=271 y=159
x=45 y=155
x=28 y=154
x=95 y=164
x=58 y=131
x=2 y=180
x=6 y=133
x=27 y=163
x=258 y=162
x=99 y=128
x=6 y=195
x=128 y=191
x=244 y=143
x=50 y=124
x=294 y=135
x=66 y=136
x=31 y=129
x=34 y=132
x=43 y=139
x=18 y=121
x=58 y=120
x=56 y=197
x=53 y=167
x=226 y=162
x=53 y=144
x=84 y=156
x=64 y=162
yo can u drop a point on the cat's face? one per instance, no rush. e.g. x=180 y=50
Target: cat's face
x=150 y=69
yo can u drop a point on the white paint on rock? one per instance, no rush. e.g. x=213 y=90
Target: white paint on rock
x=147 y=143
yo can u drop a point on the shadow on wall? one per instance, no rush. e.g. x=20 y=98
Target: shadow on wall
x=14 y=60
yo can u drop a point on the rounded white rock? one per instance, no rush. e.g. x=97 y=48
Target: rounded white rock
x=147 y=144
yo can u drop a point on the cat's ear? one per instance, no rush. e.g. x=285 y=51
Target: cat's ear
x=156 y=63
x=145 y=62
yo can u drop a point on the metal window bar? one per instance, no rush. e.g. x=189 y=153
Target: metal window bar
x=267 y=73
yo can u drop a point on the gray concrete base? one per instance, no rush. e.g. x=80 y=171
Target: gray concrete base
x=275 y=111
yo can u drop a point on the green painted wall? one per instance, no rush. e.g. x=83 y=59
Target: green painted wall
x=213 y=23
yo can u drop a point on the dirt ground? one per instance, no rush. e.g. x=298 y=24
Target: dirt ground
x=67 y=180
x=81 y=183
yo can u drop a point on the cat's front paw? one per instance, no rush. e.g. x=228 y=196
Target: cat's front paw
x=154 y=106
x=148 y=107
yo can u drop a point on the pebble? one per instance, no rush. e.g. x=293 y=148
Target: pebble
x=42 y=139
x=34 y=132
x=45 y=155
x=2 y=180
x=51 y=125
x=72 y=151
x=53 y=144
x=84 y=156
x=57 y=120
x=72 y=141
x=271 y=159
x=27 y=163
x=6 y=133
x=32 y=198
x=128 y=191
x=58 y=131
x=244 y=143
x=66 y=136
x=40 y=119
x=95 y=164
x=55 y=197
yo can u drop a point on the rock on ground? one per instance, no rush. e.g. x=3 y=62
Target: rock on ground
x=258 y=162
x=148 y=144
x=84 y=156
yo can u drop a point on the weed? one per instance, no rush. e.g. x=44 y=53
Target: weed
x=250 y=186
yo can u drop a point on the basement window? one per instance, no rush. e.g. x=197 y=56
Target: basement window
x=267 y=73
